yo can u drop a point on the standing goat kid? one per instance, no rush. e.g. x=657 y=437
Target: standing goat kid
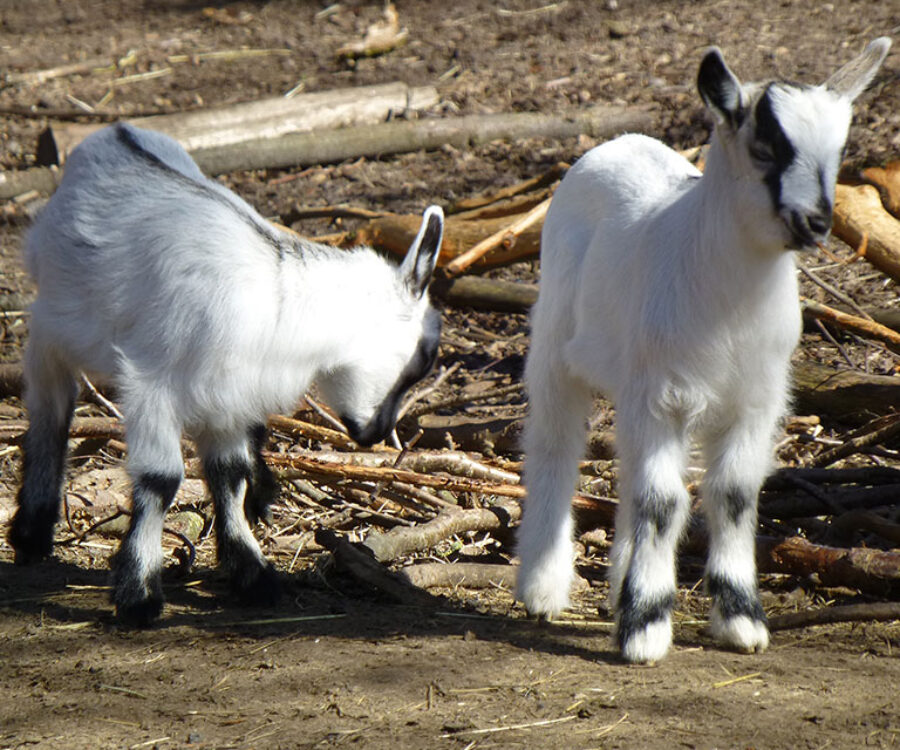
x=206 y=318
x=675 y=294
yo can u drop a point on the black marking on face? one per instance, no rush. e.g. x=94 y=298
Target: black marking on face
x=636 y=613
x=735 y=601
x=771 y=149
x=278 y=244
x=420 y=364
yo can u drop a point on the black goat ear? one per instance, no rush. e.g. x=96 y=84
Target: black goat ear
x=720 y=89
x=421 y=258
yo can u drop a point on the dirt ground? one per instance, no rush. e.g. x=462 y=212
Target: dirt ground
x=337 y=664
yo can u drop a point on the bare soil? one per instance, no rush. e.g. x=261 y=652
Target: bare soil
x=337 y=664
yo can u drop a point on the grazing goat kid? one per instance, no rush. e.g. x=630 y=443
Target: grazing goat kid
x=675 y=294
x=206 y=318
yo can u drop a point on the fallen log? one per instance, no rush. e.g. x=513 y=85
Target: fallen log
x=843 y=394
x=304 y=149
x=870 y=570
x=479 y=293
x=867 y=612
x=860 y=216
x=223 y=127
x=43 y=179
x=404 y=541
x=887 y=180
x=358 y=562
x=451 y=575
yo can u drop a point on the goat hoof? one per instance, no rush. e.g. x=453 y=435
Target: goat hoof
x=32 y=541
x=263 y=590
x=140 y=614
x=646 y=645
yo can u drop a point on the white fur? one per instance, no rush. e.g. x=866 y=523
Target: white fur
x=206 y=318
x=673 y=294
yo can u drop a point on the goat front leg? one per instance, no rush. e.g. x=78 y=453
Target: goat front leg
x=229 y=466
x=555 y=433
x=738 y=460
x=50 y=390
x=653 y=510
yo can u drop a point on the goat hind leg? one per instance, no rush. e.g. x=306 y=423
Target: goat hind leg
x=156 y=468
x=229 y=468
x=555 y=435
x=50 y=391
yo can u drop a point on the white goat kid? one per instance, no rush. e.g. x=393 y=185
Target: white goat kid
x=206 y=318
x=673 y=293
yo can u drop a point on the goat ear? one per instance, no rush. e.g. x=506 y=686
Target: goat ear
x=720 y=89
x=852 y=79
x=421 y=258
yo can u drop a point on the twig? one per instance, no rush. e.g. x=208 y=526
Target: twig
x=863 y=326
x=506 y=236
x=833 y=292
x=101 y=399
x=465 y=400
x=323 y=412
x=422 y=393
x=874 y=611
x=878 y=431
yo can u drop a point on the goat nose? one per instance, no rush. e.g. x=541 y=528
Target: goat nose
x=819 y=223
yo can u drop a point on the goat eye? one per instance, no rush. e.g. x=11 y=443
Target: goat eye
x=761 y=155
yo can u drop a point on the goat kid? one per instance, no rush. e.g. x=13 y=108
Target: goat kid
x=674 y=293
x=206 y=318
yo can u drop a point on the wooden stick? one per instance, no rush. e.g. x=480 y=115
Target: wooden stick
x=400 y=542
x=325 y=147
x=469 y=575
x=876 y=431
x=871 y=570
x=535 y=183
x=867 y=328
x=506 y=237
x=875 y=611
x=358 y=562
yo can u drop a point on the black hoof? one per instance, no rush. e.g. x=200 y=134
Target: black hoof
x=263 y=590
x=138 y=601
x=140 y=614
x=31 y=539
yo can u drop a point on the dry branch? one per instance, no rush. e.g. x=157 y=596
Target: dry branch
x=472 y=205
x=880 y=611
x=357 y=561
x=480 y=293
x=400 y=542
x=859 y=214
x=325 y=147
x=229 y=127
x=868 y=328
x=470 y=575
x=506 y=237
x=871 y=570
